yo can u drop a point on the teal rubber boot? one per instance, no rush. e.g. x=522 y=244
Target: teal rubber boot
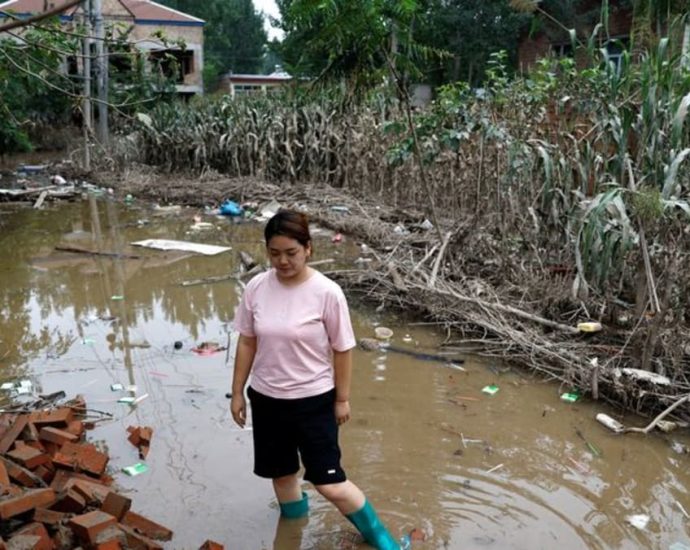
x=374 y=532
x=296 y=508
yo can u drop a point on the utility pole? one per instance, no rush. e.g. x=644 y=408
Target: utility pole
x=685 y=59
x=101 y=74
x=86 y=101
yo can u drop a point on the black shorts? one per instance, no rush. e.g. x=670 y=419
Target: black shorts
x=287 y=429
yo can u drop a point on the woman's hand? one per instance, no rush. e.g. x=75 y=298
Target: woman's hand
x=342 y=412
x=238 y=408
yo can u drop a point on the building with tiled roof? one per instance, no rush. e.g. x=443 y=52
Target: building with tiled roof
x=149 y=20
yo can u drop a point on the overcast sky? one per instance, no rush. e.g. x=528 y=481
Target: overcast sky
x=269 y=8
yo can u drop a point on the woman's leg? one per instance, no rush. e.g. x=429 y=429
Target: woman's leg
x=293 y=502
x=352 y=503
x=287 y=488
x=346 y=496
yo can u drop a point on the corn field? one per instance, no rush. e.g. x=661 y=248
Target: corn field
x=566 y=191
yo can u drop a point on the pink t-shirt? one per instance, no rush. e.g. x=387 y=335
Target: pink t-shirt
x=296 y=329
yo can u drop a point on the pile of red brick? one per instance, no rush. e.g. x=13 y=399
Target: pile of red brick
x=55 y=493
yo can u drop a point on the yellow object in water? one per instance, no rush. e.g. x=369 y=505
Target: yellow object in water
x=589 y=327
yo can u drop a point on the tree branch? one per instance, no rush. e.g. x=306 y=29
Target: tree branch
x=39 y=17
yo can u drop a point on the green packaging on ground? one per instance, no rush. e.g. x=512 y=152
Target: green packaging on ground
x=491 y=389
x=136 y=469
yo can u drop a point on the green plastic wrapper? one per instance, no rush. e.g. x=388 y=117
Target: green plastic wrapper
x=136 y=469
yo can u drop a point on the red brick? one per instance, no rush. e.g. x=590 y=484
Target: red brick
x=137 y=541
x=75 y=427
x=49 y=517
x=81 y=456
x=146 y=527
x=36 y=445
x=70 y=502
x=45 y=472
x=54 y=417
x=13 y=432
x=116 y=505
x=36 y=530
x=87 y=526
x=10 y=491
x=34 y=498
x=59 y=437
x=28 y=457
x=92 y=491
x=19 y=475
x=30 y=433
x=78 y=404
x=113 y=538
x=64 y=478
x=4 y=476
x=211 y=545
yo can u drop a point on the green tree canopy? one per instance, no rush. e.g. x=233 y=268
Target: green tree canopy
x=234 y=36
x=470 y=31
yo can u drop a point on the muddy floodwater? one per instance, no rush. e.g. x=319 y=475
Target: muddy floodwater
x=520 y=469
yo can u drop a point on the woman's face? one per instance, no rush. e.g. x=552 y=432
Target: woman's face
x=288 y=257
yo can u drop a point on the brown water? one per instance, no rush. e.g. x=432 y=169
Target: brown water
x=431 y=450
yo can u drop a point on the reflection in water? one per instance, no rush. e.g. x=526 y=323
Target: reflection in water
x=431 y=450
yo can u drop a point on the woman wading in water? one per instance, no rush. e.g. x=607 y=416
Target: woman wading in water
x=296 y=339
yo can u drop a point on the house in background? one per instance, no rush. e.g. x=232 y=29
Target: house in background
x=148 y=21
x=540 y=44
x=245 y=84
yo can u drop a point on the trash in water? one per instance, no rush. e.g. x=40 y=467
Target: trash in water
x=455 y=366
x=208 y=348
x=88 y=341
x=491 y=389
x=407 y=338
x=340 y=208
x=116 y=387
x=117 y=297
x=129 y=198
x=426 y=225
x=136 y=469
x=167 y=209
x=570 y=397
x=127 y=399
x=201 y=226
x=230 y=208
x=337 y=238
x=610 y=423
x=589 y=327
x=383 y=333
x=140 y=399
x=58 y=180
x=20 y=388
x=166 y=244
x=639 y=521
x=270 y=209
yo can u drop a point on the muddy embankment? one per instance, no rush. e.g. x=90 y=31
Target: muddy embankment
x=465 y=278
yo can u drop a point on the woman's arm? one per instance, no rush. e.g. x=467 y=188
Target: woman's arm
x=244 y=357
x=342 y=366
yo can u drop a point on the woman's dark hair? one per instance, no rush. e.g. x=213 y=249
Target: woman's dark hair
x=288 y=223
